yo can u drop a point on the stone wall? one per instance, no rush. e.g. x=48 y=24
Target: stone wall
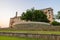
x=44 y=36
x=36 y=26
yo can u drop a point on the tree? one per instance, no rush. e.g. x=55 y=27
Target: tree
x=34 y=15
x=55 y=23
x=58 y=15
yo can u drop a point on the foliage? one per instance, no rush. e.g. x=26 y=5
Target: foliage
x=34 y=15
x=58 y=15
x=55 y=23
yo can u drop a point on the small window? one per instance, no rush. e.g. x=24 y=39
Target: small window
x=48 y=10
x=49 y=16
x=45 y=12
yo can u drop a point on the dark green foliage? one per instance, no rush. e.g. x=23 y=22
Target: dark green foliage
x=55 y=23
x=58 y=15
x=34 y=15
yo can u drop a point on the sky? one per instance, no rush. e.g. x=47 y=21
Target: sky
x=8 y=8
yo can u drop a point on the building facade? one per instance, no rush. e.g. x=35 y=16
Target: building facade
x=17 y=19
x=49 y=13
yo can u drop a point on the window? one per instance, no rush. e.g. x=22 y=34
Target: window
x=48 y=10
x=45 y=12
x=49 y=16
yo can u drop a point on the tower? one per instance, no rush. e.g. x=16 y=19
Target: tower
x=13 y=20
x=16 y=14
x=49 y=13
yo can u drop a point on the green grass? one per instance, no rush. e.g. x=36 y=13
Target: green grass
x=33 y=32
x=18 y=38
x=30 y=31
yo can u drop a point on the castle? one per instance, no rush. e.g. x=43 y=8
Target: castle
x=17 y=19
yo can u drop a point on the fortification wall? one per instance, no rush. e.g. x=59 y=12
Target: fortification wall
x=36 y=26
x=44 y=36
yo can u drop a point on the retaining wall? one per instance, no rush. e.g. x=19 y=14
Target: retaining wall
x=36 y=26
x=44 y=36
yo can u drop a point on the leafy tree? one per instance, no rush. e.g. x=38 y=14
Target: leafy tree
x=58 y=15
x=34 y=15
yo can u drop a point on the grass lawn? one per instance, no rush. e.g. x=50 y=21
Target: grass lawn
x=30 y=31
x=17 y=38
x=33 y=32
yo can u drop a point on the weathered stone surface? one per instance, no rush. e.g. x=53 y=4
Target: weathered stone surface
x=44 y=36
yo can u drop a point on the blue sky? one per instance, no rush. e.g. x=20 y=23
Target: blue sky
x=9 y=7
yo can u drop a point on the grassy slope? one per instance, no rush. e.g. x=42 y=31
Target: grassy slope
x=17 y=38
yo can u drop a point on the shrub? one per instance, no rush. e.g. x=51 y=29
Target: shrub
x=55 y=23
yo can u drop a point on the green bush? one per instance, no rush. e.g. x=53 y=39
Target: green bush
x=55 y=23
x=34 y=15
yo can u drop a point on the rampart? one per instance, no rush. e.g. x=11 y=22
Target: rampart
x=36 y=26
x=44 y=36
